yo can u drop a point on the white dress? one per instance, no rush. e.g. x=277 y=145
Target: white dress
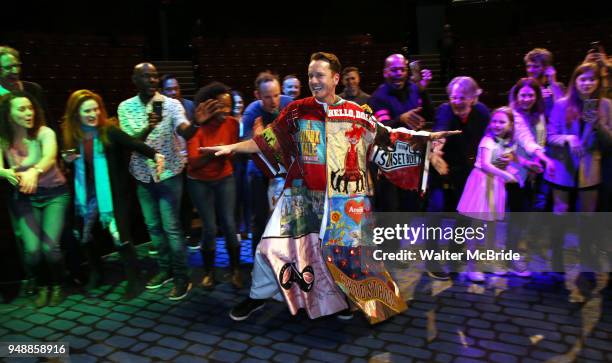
x=484 y=195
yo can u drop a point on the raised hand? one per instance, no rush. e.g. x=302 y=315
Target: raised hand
x=442 y=134
x=426 y=76
x=154 y=120
x=412 y=119
x=208 y=110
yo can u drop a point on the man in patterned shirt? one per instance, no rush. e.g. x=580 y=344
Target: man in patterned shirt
x=157 y=120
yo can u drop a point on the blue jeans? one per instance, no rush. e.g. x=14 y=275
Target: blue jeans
x=161 y=205
x=211 y=199
x=40 y=219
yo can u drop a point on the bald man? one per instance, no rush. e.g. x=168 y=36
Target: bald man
x=156 y=119
x=399 y=102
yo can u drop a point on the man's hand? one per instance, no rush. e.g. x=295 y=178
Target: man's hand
x=442 y=134
x=438 y=163
x=160 y=160
x=258 y=126
x=412 y=119
x=547 y=92
x=28 y=181
x=154 y=120
x=551 y=74
x=426 y=77
x=220 y=150
x=207 y=110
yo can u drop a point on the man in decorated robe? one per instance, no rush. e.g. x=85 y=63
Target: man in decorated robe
x=317 y=248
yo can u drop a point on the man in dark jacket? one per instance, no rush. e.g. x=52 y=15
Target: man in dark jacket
x=399 y=103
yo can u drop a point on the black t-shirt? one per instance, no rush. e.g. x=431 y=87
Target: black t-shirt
x=460 y=150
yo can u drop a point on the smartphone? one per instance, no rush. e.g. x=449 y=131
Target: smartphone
x=415 y=69
x=158 y=107
x=67 y=154
x=589 y=110
x=595 y=47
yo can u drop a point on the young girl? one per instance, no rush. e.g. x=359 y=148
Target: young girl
x=40 y=195
x=484 y=195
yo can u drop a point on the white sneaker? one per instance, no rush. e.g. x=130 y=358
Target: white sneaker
x=500 y=270
x=519 y=268
x=476 y=276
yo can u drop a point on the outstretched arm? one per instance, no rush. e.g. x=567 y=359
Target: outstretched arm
x=244 y=147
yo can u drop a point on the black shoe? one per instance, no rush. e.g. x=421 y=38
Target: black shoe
x=345 y=314
x=152 y=250
x=180 y=290
x=193 y=244
x=133 y=288
x=243 y=310
x=158 y=281
x=29 y=287
x=57 y=296
x=439 y=275
x=43 y=297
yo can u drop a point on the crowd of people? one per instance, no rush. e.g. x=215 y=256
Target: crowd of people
x=548 y=149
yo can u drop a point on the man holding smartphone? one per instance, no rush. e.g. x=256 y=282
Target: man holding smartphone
x=158 y=120
x=538 y=64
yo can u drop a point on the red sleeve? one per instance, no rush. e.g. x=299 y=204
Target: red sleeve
x=276 y=142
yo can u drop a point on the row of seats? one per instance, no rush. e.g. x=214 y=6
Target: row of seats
x=63 y=63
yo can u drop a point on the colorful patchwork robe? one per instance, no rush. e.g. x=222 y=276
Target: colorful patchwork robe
x=319 y=235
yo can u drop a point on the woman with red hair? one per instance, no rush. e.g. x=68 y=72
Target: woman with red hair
x=99 y=152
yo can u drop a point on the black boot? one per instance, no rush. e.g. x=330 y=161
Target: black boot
x=557 y=240
x=96 y=274
x=135 y=284
x=234 y=256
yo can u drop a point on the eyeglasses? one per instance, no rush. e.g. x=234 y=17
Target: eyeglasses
x=8 y=67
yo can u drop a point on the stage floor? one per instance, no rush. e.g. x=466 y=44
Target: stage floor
x=508 y=319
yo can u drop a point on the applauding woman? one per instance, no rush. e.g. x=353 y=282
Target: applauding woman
x=99 y=152
x=40 y=196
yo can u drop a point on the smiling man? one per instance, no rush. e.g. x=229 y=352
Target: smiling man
x=156 y=119
x=352 y=91
x=292 y=86
x=315 y=246
x=10 y=81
